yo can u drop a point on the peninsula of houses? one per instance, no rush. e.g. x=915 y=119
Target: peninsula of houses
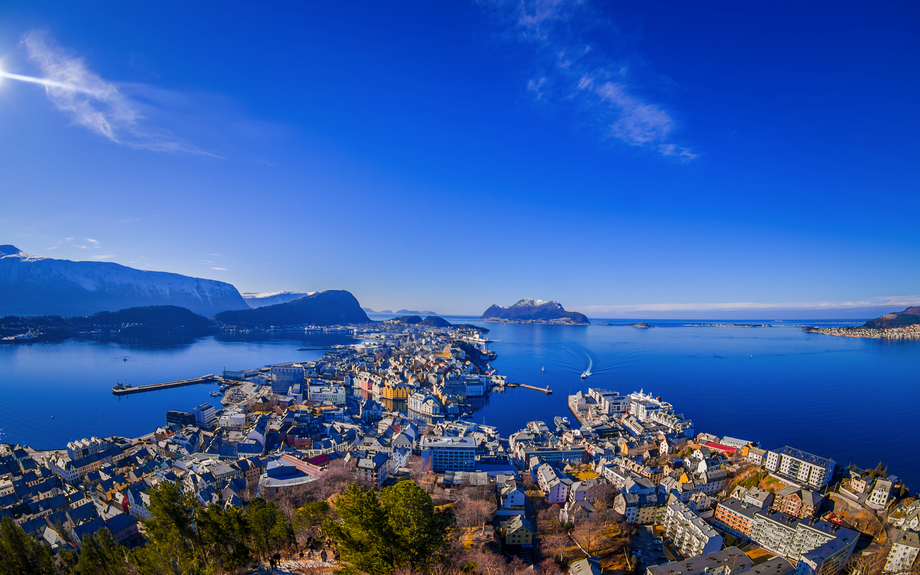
x=395 y=408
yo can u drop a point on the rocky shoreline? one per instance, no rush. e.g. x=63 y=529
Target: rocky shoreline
x=904 y=332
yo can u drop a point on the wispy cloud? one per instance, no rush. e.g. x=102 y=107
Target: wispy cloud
x=890 y=301
x=561 y=36
x=220 y=269
x=92 y=102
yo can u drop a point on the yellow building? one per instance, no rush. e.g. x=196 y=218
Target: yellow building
x=517 y=531
x=393 y=391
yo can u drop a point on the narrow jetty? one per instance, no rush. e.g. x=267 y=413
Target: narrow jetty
x=545 y=390
x=120 y=389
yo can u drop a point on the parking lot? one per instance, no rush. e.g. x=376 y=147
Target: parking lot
x=647 y=549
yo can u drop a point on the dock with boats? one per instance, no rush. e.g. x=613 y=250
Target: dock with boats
x=122 y=389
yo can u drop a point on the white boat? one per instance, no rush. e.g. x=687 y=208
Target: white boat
x=543 y=369
x=585 y=374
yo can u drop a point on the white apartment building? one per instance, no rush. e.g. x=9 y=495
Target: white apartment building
x=334 y=394
x=804 y=468
x=903 y=553
x=424 y=404
x=688 y=532
x=205 y=415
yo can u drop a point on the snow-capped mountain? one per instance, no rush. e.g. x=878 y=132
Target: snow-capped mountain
x=531 y=310
x=256 y=300
x=32 y=285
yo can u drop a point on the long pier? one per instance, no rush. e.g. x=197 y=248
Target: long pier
x=210 y=378
x=545 y=390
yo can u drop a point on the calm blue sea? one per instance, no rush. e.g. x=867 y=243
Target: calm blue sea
x=854 y=400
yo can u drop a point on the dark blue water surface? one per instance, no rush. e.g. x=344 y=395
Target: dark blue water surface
x=854 y=400
x=72 y=381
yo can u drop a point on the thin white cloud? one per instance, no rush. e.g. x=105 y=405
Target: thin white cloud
x=892 y=301
x=103 y=257
x=220 y=269
x=52 y=248
x=91 y=101
x=570 y=70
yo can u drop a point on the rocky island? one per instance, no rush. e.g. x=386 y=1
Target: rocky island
x=534 y=311
x=899 y=325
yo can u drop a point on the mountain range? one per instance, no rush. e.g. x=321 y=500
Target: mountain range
x=256 y=300
x=33 y=285
x=537 y=311
x=333 y=307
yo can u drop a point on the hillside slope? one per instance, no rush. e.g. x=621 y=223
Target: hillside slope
x=32 y=285
x=333 y=307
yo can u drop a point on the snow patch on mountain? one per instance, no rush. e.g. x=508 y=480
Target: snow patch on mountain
x=257 y=300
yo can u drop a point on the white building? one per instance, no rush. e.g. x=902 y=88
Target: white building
x=801 y=467
x=688 y=532
x=424 y=404
x=204 y=415
x=903 y=553
x=878 y=498
x=334 y=394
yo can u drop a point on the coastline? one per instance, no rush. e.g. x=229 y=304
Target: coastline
x=904 y=332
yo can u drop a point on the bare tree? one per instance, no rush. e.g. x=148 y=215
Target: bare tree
x=550 y=567
x=602 y=495
x=473 y=512
x=548 y=520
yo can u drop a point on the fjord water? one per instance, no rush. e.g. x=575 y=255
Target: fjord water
x=72 y=381
x=854 y=400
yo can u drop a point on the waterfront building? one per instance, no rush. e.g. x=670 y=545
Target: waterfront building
x=205 y=416
x=878 y=497
x=449 y=453
x=86 y=447
x=284 y=375
x=180 y=418
x=424 y=404
x=799 y=466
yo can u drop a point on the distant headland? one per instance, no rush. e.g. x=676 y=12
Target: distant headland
x=899 y=325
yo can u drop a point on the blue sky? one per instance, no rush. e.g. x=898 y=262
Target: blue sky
x=623 y=158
